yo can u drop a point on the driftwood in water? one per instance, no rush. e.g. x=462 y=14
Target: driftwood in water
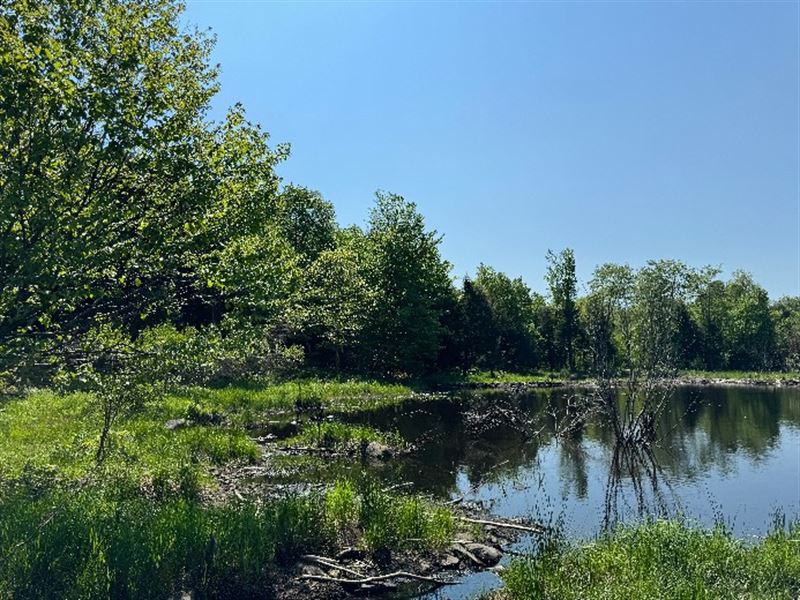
x=506 y=525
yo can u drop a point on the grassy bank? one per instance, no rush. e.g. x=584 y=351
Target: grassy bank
x=114 y=542
x=766 y=376
x=139 y=524
x=43 y=430
x=661 y=560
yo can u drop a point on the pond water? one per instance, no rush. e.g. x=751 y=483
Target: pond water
x=723 y=454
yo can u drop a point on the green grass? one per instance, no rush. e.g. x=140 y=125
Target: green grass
x=345 y=437
x=509 y=377
x=246 y=402
x=365 y=514
x=661 y=560
x=44 y=431
x=111 y=542
x=753 y=375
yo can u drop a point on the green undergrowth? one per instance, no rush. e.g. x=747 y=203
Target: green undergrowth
x=61 y=432
x=748 y=375
x=112 y=542
x=334 y=396
x=661 y=560
x=510 y=377
x=346 y=437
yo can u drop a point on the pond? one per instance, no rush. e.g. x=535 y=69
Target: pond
x=723 y=455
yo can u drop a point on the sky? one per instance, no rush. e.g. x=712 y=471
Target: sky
x=626 y=131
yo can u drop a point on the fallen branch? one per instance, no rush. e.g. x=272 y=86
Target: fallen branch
x=376 y=578
x=501 y=524
x=330 y=563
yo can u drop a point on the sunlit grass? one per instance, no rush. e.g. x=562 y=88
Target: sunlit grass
x=60 y=433
x=341 y=396
x=108 y=542
x=661 y=560
x=753 y=375
x=510 y=377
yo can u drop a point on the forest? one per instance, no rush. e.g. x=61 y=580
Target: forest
x=185 y=336
x=133 y=223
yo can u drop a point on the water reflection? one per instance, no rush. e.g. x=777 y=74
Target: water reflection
x=731 y=450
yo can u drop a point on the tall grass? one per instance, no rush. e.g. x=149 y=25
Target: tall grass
x=110 y=541
x=97 y=545
x=661 y=560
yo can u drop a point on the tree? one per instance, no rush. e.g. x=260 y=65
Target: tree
x=307 y=221
x=786 y=318
x=118 y=198
x=749 y=332
x=404 y=330
x=337 y=296
x=709 y=311
x=478 y=333
x=609 y=316
x=660 y=295
x=563 y=285
x=513 y=314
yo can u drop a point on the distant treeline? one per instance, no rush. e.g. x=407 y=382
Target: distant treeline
x=130 y=221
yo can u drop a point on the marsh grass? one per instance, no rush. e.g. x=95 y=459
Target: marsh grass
x=661 y=560
x=750 y=375
x=98 y=544
x=111 y=541
x=44 y=430
x=511 y=377
x=347 y=437
x=384 y=521
x=340 y=396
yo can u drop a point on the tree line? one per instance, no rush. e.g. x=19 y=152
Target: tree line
x=132 y=222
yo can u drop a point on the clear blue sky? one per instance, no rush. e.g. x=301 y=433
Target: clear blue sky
x=626 y=131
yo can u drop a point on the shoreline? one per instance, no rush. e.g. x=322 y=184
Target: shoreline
x=680 y=381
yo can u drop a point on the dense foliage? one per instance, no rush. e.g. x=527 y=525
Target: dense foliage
x=133 y=225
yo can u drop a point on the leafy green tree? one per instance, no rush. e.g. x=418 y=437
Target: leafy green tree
x=404 y=330
x=338 y=298
x=786 y=318
x=478 y=334
x=545 y=319
x=709 y=311
x=118 y=198
x=749 y=332
x=659 y=300
x=606 y=316
x=609 y=316
x=563 y=284
x=307 y=221
x=513 y=314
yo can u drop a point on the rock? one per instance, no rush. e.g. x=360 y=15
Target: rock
x=174 y=424
x=350 y=554
x=449 y=562
x=378 y=451
x=466 y=555
x=312 y=570
x=486 y=554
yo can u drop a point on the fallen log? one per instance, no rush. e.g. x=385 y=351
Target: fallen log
x=376 y=578
x=506 y=525
x=330 y=563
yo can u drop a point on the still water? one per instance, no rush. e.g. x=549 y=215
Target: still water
x=723 y=455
